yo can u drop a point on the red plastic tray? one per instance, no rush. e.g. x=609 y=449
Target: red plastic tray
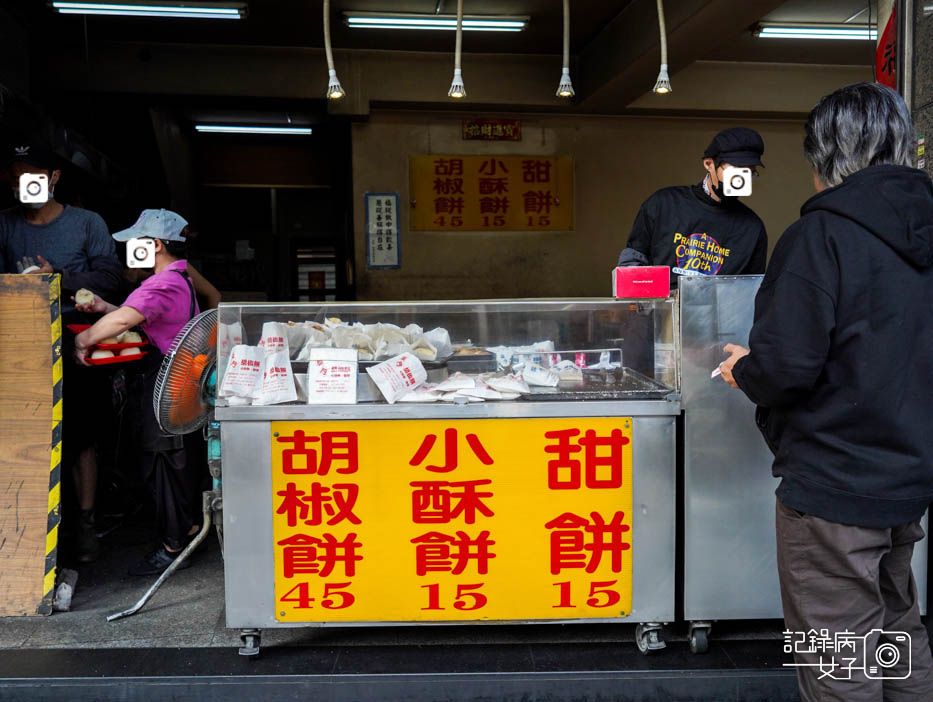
x=115 y=359
x=78 y=328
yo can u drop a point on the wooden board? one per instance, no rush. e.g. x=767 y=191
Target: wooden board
x=30 y=441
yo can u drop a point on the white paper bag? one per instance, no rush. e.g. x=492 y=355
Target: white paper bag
x=243 y=373
x=398 y=376
x=274 y=338
x=278 y=383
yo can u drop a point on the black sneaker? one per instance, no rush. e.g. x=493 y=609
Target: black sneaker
x=157 y=561
x=88 y=545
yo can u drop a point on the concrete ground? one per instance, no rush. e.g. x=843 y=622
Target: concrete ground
x=188 y=612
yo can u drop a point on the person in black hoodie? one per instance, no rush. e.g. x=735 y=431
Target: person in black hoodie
x=841 y=370
x=698 y=229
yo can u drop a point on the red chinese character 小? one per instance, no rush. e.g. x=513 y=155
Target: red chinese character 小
x=450 y=451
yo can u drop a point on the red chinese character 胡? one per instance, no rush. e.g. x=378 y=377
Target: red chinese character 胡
x=336 y=447
x=448 y=167
x=450 y=451
x=577 y=543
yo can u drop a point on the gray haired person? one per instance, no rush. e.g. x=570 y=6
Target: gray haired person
x=840 y=368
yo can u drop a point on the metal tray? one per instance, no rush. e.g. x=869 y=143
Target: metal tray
x=618 y=384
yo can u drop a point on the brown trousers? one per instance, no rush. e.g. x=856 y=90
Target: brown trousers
x=842 y=578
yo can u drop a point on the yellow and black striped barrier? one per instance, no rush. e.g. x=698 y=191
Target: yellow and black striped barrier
x=55 y=467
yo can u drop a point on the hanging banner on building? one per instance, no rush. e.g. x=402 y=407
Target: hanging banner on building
x=492 y=129
x=886 y=53
x=383 y=242
x=442 y=520
x=491 y=193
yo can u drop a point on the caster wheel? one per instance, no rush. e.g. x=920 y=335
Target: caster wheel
x=699 y=641
x=251 y=643
x=649 y=638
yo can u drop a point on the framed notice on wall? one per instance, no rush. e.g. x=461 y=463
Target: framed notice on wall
x=383 y=242
x=491 y=193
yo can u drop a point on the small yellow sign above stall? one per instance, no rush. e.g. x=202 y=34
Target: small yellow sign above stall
x=491 y=193
x=444 y=520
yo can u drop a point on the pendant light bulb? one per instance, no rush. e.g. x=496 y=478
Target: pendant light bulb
x=457 y=89
x=663 y=85
x=335 y=91
x=565 y=87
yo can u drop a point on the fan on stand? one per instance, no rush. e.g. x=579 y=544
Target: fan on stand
x=183 y=402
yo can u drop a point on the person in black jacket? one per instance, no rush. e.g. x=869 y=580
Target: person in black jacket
x=841 y=369
x=698 y=229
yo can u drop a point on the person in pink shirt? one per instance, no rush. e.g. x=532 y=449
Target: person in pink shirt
x=161 y=306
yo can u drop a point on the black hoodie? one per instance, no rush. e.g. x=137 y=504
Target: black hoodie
x=842 y=351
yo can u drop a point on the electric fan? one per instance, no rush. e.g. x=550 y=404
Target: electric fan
x=183 y=402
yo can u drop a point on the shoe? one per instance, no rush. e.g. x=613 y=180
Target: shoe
x=157 y=561
x=88 y=545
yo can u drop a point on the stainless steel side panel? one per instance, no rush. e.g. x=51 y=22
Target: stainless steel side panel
x=248 y=558
x=730 y=569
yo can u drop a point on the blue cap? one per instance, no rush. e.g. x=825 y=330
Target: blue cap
x=155 y=224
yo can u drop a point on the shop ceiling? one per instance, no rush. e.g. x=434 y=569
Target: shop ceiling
x=614 y=42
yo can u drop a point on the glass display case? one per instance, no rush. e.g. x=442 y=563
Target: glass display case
x=600 y=349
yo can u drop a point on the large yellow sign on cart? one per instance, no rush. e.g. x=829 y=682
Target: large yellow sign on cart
x=432 y=520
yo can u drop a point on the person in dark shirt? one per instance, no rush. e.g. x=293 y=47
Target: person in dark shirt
x=698 y=230
x=53 y=238
x=841 y=370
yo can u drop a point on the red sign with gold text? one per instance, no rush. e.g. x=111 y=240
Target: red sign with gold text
x=492 y=129
x=886 y=53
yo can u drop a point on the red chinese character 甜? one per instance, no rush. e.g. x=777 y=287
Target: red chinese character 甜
x=451 y=554
x=450 y=451
x=535 y=171
x=337 y=449
x=439 y=502
x=309 y=554
x=563 y=472
x=578 y=543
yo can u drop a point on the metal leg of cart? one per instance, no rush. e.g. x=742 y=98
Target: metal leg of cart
x=649 y=637
x=211 y=501
x=699 y=636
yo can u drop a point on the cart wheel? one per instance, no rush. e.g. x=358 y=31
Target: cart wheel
x=699 y=640
x=251 y=639
x=649 y=637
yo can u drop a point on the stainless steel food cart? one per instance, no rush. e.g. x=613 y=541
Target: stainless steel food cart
x=276 y=574
x=730 y=567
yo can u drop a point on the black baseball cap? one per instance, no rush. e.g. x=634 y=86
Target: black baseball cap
x=739 y=146
x=29 y=152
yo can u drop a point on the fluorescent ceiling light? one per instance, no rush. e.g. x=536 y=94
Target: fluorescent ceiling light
x=816 y=32
x=471 y=23
x=154 y=9
x=238 y=129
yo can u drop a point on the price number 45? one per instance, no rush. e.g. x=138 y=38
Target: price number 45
x=334 y=596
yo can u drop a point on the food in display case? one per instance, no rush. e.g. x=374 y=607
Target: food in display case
x=471 y=352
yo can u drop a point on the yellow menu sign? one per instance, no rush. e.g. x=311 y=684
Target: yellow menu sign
x=490 y=193
x=434 y=520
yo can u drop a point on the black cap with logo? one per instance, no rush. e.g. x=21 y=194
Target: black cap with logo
x=739 y=146
x=31 y=153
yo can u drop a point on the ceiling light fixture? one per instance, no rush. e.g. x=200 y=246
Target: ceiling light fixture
x=334 y=89
x=169 y=8
x=565 y=86
x=471 y=23
x=457 y=89
x=241 y=129
x=788 y=31
x=663 y=85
